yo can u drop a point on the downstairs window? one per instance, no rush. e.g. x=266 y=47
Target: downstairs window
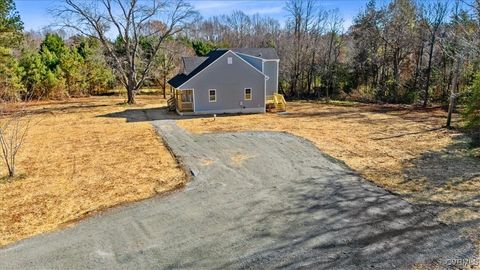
x=212 y=95
x=248 y=93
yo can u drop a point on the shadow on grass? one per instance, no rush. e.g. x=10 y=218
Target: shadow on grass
x=153 y=114
x=433 y=115
x=449 y=165
x=452 y=169
x=73 y=108
x=5 y=179
x=450 y=180
x=346 y=114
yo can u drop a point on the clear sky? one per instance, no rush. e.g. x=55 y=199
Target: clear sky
x=35 y=13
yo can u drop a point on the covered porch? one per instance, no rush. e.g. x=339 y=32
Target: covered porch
x=181 y=100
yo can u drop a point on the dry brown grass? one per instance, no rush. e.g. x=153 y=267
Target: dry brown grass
x=401 y=149
x=76 y=161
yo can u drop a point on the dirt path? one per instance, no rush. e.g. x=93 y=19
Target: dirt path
x=257 y=200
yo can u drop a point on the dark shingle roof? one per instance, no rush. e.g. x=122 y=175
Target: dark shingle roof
x=178 y=80
x=265 y=53
x=182 y=77
x=191 y=63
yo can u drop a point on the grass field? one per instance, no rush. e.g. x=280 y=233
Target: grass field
x=76 y=161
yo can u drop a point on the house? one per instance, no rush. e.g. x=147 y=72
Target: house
x=243 y=80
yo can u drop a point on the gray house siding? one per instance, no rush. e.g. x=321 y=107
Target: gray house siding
x=268 y=67
x=271 y=70
x=254 y=61
x=229 y=81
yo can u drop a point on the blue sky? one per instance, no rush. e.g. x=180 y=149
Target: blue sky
x=35 y=13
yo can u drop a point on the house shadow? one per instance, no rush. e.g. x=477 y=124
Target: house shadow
x=160 y=113
x=148 y=114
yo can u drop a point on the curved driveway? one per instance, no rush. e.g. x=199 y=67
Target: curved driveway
x=257 y=200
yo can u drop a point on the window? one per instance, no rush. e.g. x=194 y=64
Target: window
x=212 y=95
x=248 y=93
x=229 y=60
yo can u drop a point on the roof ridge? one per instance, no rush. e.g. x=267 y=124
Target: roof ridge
x=210 y=59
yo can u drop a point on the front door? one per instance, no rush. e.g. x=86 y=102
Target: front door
x=187 y=96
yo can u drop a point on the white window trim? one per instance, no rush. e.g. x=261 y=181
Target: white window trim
x=245 y=93
x=229 y=60
x=215 y=100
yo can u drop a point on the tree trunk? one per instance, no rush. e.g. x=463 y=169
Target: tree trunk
x=418 y=66
x=131 y=95
x=451 y=108
x=429 y=71
x=11 y=171
x=329 y=82
x=164 y=86
x=383 y=72
x=453 y=96
x=396 y=74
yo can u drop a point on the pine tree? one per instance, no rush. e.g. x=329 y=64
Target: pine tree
x=10 y=35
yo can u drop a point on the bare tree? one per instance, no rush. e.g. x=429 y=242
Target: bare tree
x=433 y=15
x=460 y=44
x=129 y=21
x=299 y=26
x=167 y=60
x=399 y=25
x=13 y=130
x=334 y=28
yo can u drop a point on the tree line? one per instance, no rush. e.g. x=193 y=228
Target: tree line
x=405 y=51
x=48 y=68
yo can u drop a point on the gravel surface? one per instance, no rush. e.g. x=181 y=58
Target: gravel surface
x=257 y=200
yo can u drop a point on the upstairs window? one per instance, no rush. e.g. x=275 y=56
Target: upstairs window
x=248 y=93
x=229 y=60
x=212 y=95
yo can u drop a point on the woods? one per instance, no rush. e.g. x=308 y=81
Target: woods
x=404 y=51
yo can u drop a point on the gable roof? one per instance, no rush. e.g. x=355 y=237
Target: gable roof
x=264 y=53
x=182 y=77
x=191 y=63
x=194 y=65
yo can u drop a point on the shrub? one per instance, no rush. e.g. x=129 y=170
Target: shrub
x=472 y=110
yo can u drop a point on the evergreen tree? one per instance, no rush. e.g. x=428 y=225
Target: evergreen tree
x=98 y=76
x=472 y=110
x=202 y=48
x=10 y=36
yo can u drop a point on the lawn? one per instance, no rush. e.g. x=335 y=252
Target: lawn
x=82 y=156
x=404 y=150
x=76 y=161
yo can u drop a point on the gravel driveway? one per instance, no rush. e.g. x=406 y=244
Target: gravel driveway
x=257 y=200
